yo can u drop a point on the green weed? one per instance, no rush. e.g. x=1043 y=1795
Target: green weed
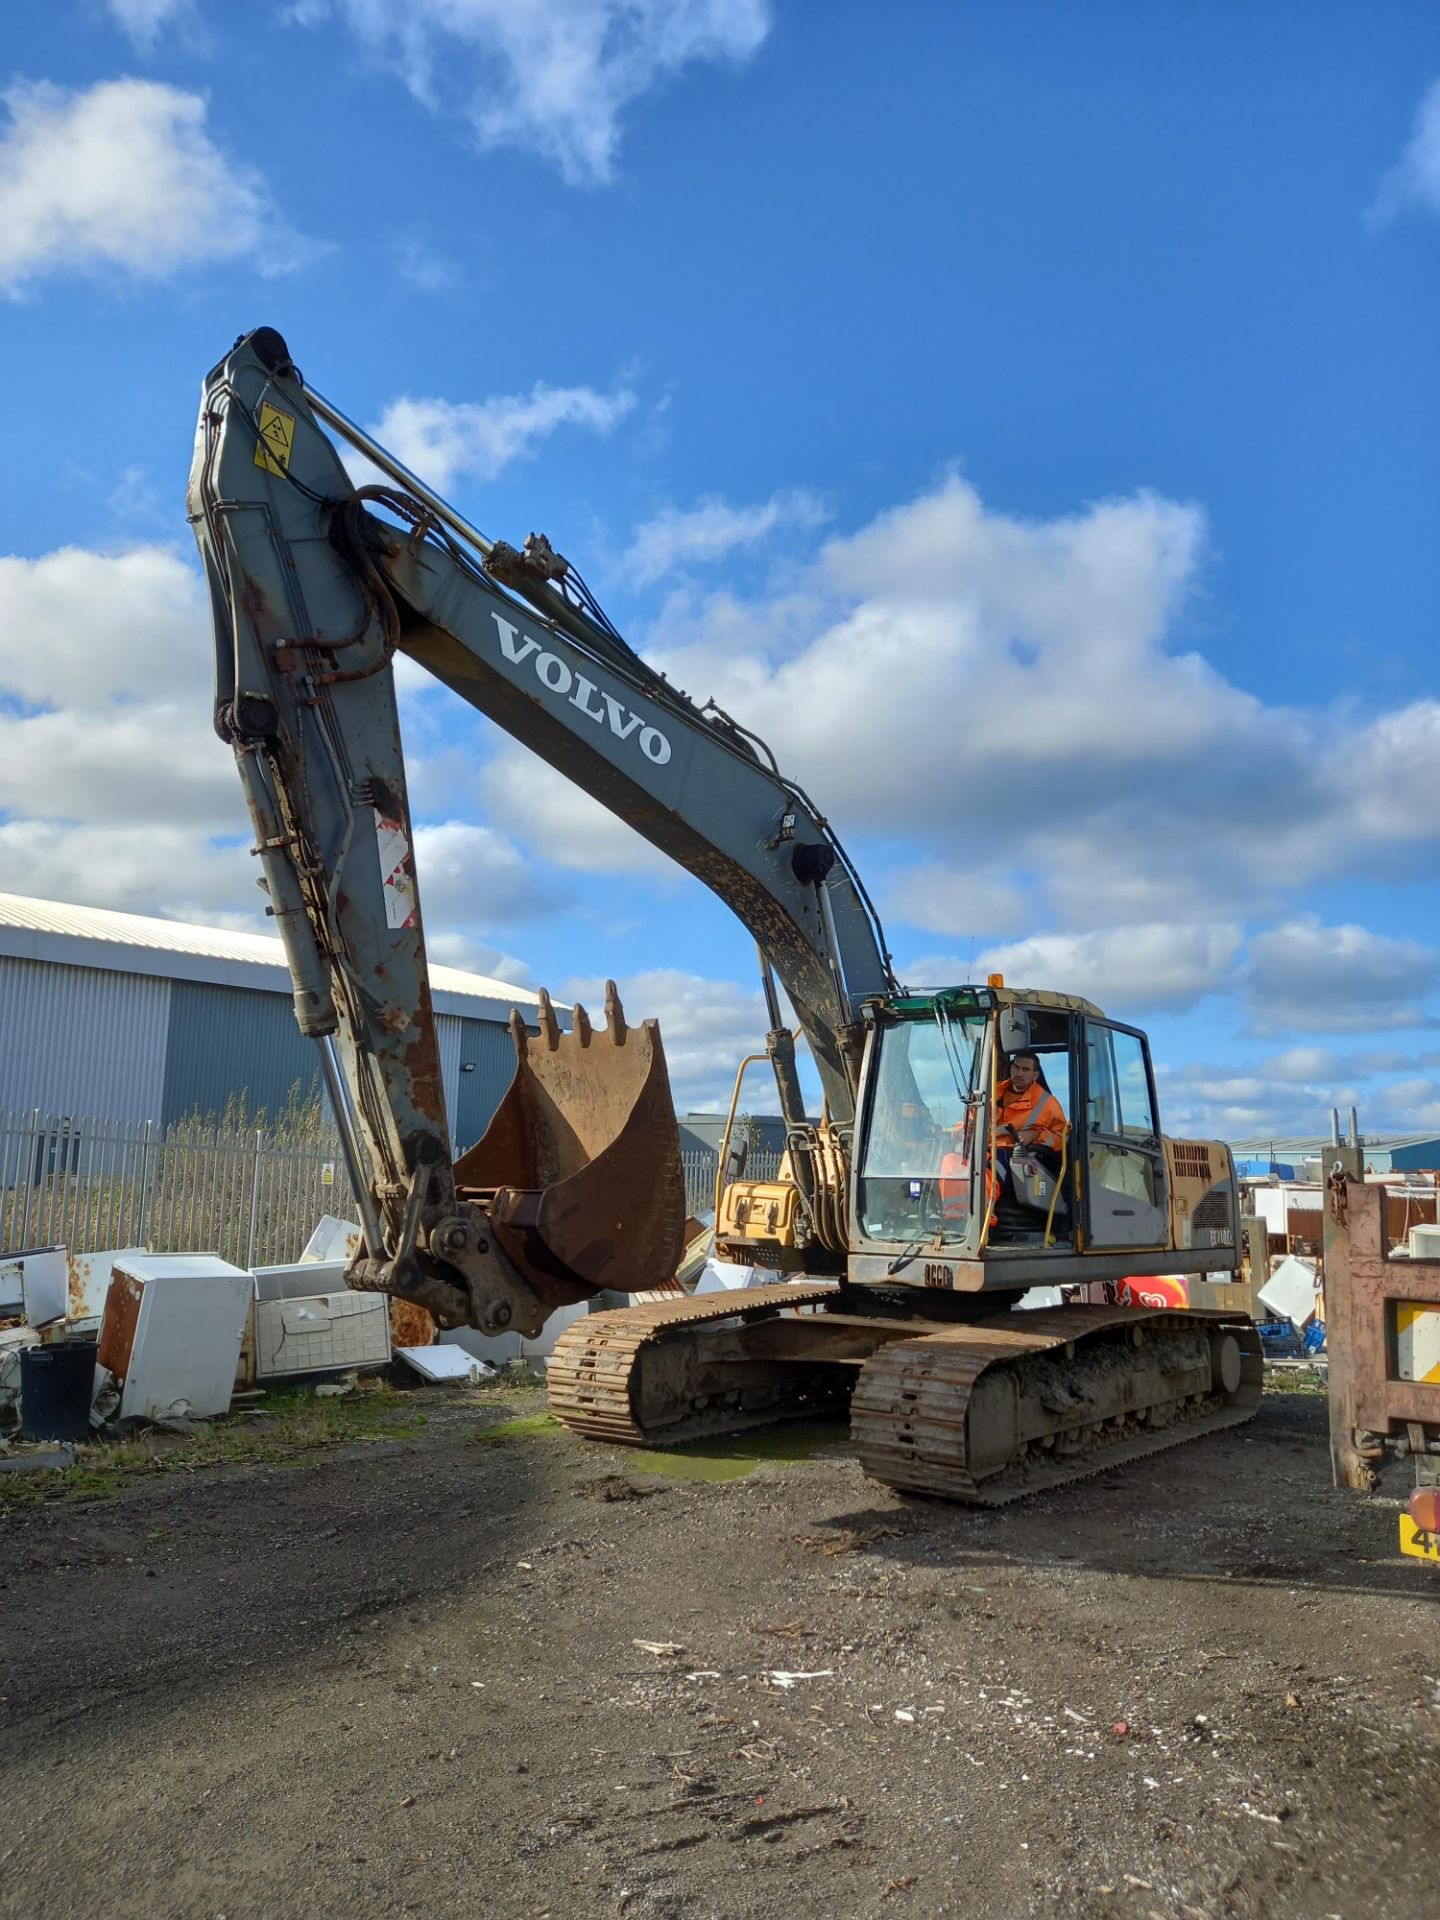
x=525 y=1428
x=280 y=1430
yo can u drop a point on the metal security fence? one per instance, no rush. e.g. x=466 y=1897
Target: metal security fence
x=247 y=1193
x=251 y=1194
x=700 y=1168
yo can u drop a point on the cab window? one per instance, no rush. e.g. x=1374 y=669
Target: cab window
x=1119 y=1102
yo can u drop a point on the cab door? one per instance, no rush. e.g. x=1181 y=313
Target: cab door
x=1125 y=1198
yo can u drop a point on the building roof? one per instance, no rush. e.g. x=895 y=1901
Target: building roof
x=75 y=936
x=1314 y=1145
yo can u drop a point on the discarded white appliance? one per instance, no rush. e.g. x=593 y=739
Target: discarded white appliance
x=308 y=1321
x=12 y=1289
x=334 y=1239
x=89 y=1283
x=41 y=1264
x=1290 y=1292
x=13 y=1341
x=445 y=1366
x=71 y=1286
x=171 y=1333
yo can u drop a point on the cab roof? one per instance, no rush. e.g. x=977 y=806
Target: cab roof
x=977 y=998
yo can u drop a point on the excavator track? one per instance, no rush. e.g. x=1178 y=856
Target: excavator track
x=987 y=1414
x=611 y=1375
x=983 y=1413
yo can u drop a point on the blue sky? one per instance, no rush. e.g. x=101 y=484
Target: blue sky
x=1023 y=415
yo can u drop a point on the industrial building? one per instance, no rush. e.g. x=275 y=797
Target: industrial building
x=1302 y=1159
x=115 y=1016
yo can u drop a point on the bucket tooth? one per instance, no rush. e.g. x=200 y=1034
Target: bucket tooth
x=614 y=1014
x=580 y=1024
x=549 y=1025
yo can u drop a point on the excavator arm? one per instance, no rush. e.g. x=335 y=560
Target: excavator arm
x=316 y=586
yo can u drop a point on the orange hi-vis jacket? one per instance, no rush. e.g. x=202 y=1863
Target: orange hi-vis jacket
x=1036 y=1107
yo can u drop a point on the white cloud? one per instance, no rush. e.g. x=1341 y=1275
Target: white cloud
x=707 y=1027
x=109 y=656
x=1248 y=1101
x=1315 y=978
x=475 y=956
x=1402 y=1096
x=950 y=664
x=441 y=439
x=977 y=901
x=145 y=20
x=1123 y=969
x=708 y=532
x=88 y=629
x=1293 y=1093
x=1386 y=776
x=550 y=813
x=1103 y=868
x=929 y=970
x=118 y=792
x=961 y=664
x=1414 y=180
x=1392 y=1060
x=1305 y=1066
x=473 y=877
x=125 y=177
x=177 y=872
x=1408 y=1106
x=153 y=760
x=551 y=77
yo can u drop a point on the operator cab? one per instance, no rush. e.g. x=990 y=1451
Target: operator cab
x=1080 y=1164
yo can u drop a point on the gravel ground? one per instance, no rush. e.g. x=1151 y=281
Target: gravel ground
x=405 y=1678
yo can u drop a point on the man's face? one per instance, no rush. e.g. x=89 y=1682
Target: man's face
x=1023 y=1073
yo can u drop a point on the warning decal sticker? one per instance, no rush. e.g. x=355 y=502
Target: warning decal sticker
x=277 y=439
x=397 y=873
x=1417 y=1341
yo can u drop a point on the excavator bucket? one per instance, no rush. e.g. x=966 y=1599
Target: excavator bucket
x=580 y=1170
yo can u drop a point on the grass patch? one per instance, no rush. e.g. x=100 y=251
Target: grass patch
x=731 y=1456
x=727 y=1457
x=1309 y=1380
x=525 y=1428
x=282 y=1429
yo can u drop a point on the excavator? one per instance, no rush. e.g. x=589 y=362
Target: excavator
x=903 y=1230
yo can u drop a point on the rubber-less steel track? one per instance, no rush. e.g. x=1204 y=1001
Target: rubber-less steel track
x=983 y=1412
x=912 y=1410
x=592 y=1374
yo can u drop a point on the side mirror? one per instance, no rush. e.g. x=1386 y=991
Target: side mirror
x=735 y=1161
x=1014 y=1029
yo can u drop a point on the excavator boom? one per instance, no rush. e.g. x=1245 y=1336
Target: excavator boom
x=317 y=585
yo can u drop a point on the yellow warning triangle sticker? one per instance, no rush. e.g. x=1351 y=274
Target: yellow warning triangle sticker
x=277 y=439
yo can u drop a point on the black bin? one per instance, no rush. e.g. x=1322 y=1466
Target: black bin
x=57 y=1384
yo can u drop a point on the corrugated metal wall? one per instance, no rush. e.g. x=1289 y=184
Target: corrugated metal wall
x=129 y=1046
x=233 y=1040
x=1416 y=1156
x=447 y=1033
x=488 y=1048
x=80 y=1040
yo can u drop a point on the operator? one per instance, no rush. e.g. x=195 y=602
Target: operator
x=1027 y=1115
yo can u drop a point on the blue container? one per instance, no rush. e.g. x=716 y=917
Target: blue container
x=57 y=1384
